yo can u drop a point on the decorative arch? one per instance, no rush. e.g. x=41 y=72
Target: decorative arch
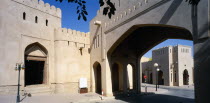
x=36 y=60
x=36 y=49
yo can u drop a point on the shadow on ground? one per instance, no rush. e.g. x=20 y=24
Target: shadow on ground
x=153 y=98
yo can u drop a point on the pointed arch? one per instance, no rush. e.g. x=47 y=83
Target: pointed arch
x=36 y=49
x=117 y=77
x=36 y=71
x=97 y=77
x=185 y=77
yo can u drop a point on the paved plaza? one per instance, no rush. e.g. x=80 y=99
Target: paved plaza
x=163 y=95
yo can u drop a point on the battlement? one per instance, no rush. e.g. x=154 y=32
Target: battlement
x=128 y=13
x=40 y=5
x=64 y=34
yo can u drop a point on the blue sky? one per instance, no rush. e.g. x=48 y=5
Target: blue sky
x=69 y=20
x=69 y=15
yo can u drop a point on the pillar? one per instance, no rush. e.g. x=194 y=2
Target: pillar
x=202 y=70
x=106 y=78
x=138 y=76
x=125 y=78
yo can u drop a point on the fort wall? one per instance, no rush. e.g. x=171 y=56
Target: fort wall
x=41 y=6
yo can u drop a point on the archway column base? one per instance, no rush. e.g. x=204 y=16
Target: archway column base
x=109 y=95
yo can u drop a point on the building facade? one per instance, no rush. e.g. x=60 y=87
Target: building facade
x=55 y=58
x=175 y=65
x=31 y=34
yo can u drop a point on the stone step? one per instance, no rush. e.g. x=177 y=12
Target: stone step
x=38 y=89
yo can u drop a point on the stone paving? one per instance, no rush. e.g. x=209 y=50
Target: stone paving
x=68 y=98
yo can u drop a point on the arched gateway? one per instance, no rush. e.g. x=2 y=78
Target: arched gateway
x=35 y=64
x=135 y=29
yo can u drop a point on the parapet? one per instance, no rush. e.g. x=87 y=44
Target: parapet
x=64 y=34
x=40 y=5
x=128 y=13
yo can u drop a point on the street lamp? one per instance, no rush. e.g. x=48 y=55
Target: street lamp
x=156 y=66
x=18 y=67
x=157 y=76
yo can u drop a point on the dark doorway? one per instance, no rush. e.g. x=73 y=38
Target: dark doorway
x=97 y=73
x=150 y=77
x=34 y=72
x=35 y=64
x=115 y=78
x=160 y=78
x=143 y=79
x=185 y=77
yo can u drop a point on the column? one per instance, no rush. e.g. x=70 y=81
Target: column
x=125 y=78
x=202 y=70
x=106 y=78
x=138 y=76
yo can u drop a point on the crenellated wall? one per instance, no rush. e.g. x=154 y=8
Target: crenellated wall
x=64 y=34
x=72 y=59
x=125 y=12
x=40 y=5
x=67 y=50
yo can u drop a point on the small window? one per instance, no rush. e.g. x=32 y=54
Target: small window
x=46 y=22
x=36 y=19
x=171 y=77
x=24 y=16
x=175 y=76
x=98 y=41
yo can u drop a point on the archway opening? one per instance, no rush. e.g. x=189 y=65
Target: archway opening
x=35 y=64
x=150 y=78
x=130 y=74
x=160 y=78
x=143 y=79
x=138 y=40
x=117 y=78
x=97 y=75
x=185 y=77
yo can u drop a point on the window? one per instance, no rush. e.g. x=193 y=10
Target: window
x=24 y=16
x=98 y=41
x=36 y=19
x=46 y=22
x=175 y=76
x=171 y=77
